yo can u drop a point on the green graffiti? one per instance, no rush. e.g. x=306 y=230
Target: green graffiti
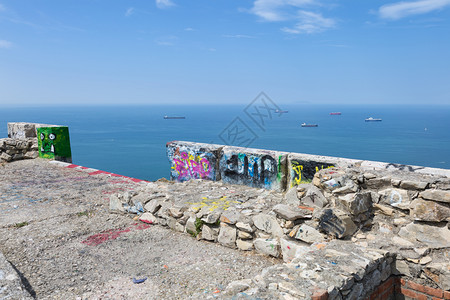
x=54 y=143
x=280 y=172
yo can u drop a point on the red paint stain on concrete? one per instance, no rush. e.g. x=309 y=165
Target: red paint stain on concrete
x=112 y=234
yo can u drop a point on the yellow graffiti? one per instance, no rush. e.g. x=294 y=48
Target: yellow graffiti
x=298 y=173
x=298 y=178
x=213 y=204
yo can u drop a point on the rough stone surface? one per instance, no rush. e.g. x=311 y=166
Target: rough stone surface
x=227 y=235
x=337 y=223
x=431 y=211
x=267 y=246
x=308 y=234
x=395 y=197
x=268 y=224
x=291 y=213
x=436 y=195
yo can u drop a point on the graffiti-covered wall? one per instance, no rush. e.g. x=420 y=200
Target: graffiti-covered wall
x=253 y=167
x=193 y=161
x=54 y=143
x=260 y=168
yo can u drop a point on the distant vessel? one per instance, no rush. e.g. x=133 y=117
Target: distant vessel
x=335 y=113
x=167 y=117
x=372 y=120
x=281 y=111
x=309 y=125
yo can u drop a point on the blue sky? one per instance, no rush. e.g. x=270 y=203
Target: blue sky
x=224 y=51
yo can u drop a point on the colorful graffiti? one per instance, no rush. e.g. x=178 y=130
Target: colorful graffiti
x=54 y=143
x=257 y=171
x=191 y=164
x=303 y=172
x=213 y=204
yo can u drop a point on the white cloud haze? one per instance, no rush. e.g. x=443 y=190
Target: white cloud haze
x=398 y=10
x=164 y=3
x=129 y=11
x=5 y=44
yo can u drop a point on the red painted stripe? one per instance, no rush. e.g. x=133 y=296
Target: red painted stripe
x=73 y=166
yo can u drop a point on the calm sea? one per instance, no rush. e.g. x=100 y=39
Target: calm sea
x=130 y=140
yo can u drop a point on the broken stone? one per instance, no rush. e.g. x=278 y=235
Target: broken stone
x=433 y=236
x=308 y=234
x=175 y=211
x=211 y=218
x=349 y=188
x=267 y=246
x=291 y=249
x=148 y=218
x=230 y=216
x=401 y=268
x=210 y=233
x=116 y=204
x=413 y=185
x=291 y=196
x=431 y=211
x=152 y=206
x=436 y=195
x=314 y=197
x=238 y=286
x=174 y=225
x=245 y=227
x=356 y=203
x=291 y=213
x=384 y=209
x=395 y=197
x=268 y=224
x=244 y=245
x=244 y=235
x=337 y=223
x=227 y=235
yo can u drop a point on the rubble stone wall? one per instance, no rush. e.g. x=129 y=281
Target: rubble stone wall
x=351 y=229
x=21 y=142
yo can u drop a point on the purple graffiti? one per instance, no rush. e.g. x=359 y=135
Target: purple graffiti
x=191 y=167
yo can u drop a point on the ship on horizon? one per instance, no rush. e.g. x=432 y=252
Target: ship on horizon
x=370 y=119
x=173 y=117
x=335 y=113
x=309 y=125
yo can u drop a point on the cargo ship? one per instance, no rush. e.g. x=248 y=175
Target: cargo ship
x=335 y=113
x=168 y=118
x=309 y=125
x=279 y=111
x=372 y=120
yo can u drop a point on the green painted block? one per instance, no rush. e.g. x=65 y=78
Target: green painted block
x=54 y=143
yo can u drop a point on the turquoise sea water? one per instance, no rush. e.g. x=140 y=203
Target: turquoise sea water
x=130 y=140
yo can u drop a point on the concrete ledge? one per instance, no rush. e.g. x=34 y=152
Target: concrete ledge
x=269 y=169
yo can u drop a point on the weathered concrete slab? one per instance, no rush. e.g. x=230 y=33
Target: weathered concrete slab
x=56 y=229
x=254 y=167
x=193 y=160
x=11 y=286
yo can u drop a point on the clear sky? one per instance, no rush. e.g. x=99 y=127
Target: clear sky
x=224 y=51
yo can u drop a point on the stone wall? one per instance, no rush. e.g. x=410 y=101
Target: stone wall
x=268 y=169
x=350 y=229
